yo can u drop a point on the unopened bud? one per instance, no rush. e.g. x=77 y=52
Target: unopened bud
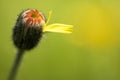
x=28 y=29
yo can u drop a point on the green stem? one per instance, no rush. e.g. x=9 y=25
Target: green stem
x=16 y=65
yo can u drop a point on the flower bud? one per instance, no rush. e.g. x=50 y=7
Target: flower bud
x=28 y=29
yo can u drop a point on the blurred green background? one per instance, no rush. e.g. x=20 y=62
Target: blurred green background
x=91 y=52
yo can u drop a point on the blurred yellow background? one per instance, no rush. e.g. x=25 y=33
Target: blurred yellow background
x=91 y=52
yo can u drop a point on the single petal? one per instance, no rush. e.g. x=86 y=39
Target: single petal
x=49 y=16
x=60 y=28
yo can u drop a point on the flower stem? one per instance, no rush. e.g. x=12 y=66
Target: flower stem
x=16 y=65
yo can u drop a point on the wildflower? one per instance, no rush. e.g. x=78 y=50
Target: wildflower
x=30 y=26
x=28 y=30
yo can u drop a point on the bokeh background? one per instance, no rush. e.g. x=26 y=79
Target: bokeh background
x=91 y=52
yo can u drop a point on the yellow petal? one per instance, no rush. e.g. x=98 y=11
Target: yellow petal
x=49 y=16
x=60 y=28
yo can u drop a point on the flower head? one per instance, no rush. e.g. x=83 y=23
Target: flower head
x=30 y=26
